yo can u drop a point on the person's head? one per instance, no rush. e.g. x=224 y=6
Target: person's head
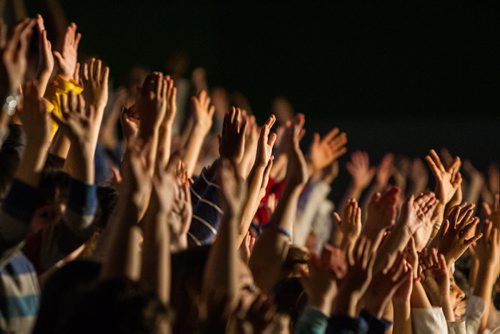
x=62 y=291
x=457 y=298
x=290 y=298
x=178 y=63
x=117 y=306
x=283 y=110
x=296 y=261
x=136 y=77
x=53 y=194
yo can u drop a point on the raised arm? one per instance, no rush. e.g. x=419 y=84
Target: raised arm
x=20 y=203
x=488 y=252
x=271 y=248
x=203 y=115
x=155 y=267
x=259 y=176
x=45 y=57
x=361 y=175
x=324 y=151
x=221 y=270
x=121 y=256
x=13 y=66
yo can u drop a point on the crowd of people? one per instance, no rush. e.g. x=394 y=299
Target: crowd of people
x=160 y=207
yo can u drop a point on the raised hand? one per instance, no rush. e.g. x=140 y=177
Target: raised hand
x=266 y=143
x=447 y=180
x=81 y=125
x=251 y=141
x=179 y=219
x=151 y=104
x=493 y=211
x=233 y=188
x=45 y=57
x=232 y=140
x=360 y=170
x=203 y=111
x=360 y=262
x=297 y=173
x=324 y=151
x=95 y=82
x=350 y=224
x=67 y=58
x=436 y=281
x=384 y=170
x=458 y=233
x=385 y=284
x=488 y=247
x=203 y=114
x=171 y=102
x=382 y=211
x=319 y=282
x=130 y=123
x=417 y=214
x=34 y=116
x=14 y=58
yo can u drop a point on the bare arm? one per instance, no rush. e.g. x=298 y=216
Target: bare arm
x=272 y=246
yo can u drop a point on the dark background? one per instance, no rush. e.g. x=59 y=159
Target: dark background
x=400 y=79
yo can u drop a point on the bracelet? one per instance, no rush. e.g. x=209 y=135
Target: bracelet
x=10 y=104
x=278 y=229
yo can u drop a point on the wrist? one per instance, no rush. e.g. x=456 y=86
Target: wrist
x=321 y=303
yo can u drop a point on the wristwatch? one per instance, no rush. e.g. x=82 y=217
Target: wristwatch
x=10 y=104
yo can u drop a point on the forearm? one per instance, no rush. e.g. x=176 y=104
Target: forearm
x=164 y=144
x=32 y=163
x=351 y=192
x=346 y=302
x=43 y=78
x=60 y=147
x=271 y=248
x=474 y=269
x=402 y=317
x=395 y=241
x=81 y=162
x=122 y=255
x=252 y=202
x=419 y=298
x=150 y=138
x=221 y=268
x=286 y=211
x=193 y=148
x=156 y=254
x=484 y=284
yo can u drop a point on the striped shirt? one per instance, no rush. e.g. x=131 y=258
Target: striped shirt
x=19 y=290
x=205 y=198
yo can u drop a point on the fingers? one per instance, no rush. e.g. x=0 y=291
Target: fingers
x=437 y=160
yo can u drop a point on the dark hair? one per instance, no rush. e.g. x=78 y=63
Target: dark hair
x=290 y=298
x=187 y=277
x=116 y=306
x=62 y=292
x=53 y=186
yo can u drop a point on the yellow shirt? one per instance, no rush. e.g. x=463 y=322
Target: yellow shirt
x=55 y=89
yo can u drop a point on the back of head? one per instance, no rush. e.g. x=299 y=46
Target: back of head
x=62 y=292
x=116 y=306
